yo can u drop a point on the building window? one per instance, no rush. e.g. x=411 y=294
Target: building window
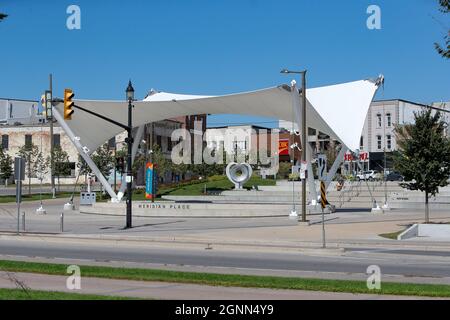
x=5 y=141
x=389 y=119
x=57 y=140
x=379 y=142
x=158 y=141
x=28 y=140
x=112 y=143
x=388 y=142
x=379 y=120
x=169 y=144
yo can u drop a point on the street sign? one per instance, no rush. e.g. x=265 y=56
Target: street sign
x=322 y=163
x=19 y=168
x=48 y=105
x=323 y=195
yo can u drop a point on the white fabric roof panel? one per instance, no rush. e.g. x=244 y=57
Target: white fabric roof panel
x=329 y=109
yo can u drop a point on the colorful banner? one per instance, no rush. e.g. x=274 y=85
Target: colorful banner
x=149 y=180
x=283 y=147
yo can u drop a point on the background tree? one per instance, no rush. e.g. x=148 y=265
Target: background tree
x=162 y=164
x=42 y=166
x=60 y=163
x=6 y=167
x=30 y=153
x=103 y=158
x=444 y=51
x=424 y=155
x=105 y=161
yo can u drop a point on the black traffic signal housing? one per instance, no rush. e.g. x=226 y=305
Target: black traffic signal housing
x=120 y=164
x=68 y=104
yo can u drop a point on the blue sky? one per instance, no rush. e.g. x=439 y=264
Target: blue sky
x=217 y=47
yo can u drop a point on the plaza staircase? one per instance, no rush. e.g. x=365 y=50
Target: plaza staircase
x=354 y=195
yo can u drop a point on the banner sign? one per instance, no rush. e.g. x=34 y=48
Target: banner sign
x=149 y=180
x=283 y=147
x=348 y=157
x=363 y=156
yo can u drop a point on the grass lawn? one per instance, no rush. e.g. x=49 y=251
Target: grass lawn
x=392 y=235
x=217 y=184
x=212 y=185
x=351 y=286
x=18 y=294
x=34 y=197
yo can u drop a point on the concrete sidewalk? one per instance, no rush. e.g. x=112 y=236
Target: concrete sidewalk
x=176 y=291
x=343 y=229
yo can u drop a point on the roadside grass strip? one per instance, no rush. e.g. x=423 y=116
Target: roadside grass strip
x=33 y=197
x=21 y=294
x=231 y=280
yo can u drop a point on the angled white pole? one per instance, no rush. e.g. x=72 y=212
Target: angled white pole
x=335 y=166
x=313 y=197
x=136 y=141
x=84 y=153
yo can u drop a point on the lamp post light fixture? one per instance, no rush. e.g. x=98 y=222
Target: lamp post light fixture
x=304 y=141
x=130 y=97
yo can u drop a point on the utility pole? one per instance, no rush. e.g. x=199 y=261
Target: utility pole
x=129 y=179
x=115 y=165
x=152 y=159
x=304 y=141
x=52 y=141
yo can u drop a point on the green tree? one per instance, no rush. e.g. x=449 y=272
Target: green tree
x=444 y=51
x=42 y=166
x=6 y=168
x=424 y=155
x=60 y=163
x=162 y=164
x=30 y=153
x=104 y=159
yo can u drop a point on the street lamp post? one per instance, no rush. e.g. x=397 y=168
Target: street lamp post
x=130 y=98
x=304 y=142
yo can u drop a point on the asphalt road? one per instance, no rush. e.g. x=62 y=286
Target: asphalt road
x=392 y=264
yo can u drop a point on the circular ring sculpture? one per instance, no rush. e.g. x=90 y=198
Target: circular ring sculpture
x=239 y=173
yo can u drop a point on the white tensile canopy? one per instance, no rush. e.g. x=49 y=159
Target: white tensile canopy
x=337 y=110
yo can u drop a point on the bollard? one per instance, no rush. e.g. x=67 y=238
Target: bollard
x=23 y=221
x=62 y=222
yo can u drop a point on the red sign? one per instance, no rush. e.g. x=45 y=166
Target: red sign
x=348 y=157
x=283 y=147
x=364 y=156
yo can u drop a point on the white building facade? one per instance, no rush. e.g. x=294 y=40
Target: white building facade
x=378 y=135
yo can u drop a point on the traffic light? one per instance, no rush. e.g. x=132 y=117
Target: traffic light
x=68 y=104
x=120 y=164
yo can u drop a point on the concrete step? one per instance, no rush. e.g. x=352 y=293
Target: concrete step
x=171 y=209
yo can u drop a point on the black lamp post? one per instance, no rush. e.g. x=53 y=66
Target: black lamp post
x=130 y=98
